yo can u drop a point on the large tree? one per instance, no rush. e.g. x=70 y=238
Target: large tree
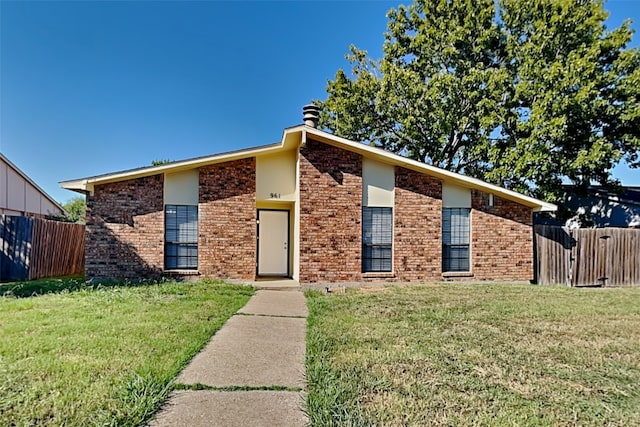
x=518 y=92
x=76 y=208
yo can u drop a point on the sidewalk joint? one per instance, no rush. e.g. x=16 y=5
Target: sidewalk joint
x=199 y=386
x=270 y=315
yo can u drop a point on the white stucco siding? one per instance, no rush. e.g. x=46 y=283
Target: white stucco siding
x=454 y=196
x=276 y=177
x=181 y=188
x=378 y=182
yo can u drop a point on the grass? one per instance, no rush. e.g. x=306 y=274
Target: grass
x=474 y=355
x=83 y=355
x=44 y=286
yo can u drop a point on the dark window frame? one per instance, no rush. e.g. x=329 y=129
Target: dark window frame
x=456 y=238
x=377 y=240
x=181 y=237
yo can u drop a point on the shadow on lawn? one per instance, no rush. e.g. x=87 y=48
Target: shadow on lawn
x=65 y=284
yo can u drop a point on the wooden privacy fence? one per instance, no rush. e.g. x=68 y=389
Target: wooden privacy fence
x=587 y=257
x=33 y=248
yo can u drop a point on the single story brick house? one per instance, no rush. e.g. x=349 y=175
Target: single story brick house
x=313 y=207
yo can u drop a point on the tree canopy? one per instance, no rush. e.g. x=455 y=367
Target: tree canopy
x=76 y=208
x=160 y=162
x=521 y=93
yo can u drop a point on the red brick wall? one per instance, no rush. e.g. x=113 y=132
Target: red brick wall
x=418 y=226
x=330 y=214
x=125 y=225
x=330 y=225
x=125 y=229
x=227 y=220
x=502 y=239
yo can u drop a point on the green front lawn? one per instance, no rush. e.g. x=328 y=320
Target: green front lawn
x=87 y=355
x=474 y=355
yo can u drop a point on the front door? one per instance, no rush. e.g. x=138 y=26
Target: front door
x=273 y=242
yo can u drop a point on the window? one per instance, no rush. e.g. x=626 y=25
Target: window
x=377 y=235
x=180 y=237
x=455 y=239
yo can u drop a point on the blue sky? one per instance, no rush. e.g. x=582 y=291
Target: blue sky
x=95 y=87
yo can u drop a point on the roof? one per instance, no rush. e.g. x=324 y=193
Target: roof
x=31 y=182
x=292 y=138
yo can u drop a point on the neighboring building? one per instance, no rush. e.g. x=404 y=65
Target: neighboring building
x=20 y=196
x=314 y=207
x=599 y=208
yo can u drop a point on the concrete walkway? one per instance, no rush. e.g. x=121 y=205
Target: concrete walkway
x=258 y=350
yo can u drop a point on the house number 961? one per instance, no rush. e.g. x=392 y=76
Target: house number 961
x=275 y=195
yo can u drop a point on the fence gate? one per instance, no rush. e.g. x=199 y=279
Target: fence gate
x=587 y=257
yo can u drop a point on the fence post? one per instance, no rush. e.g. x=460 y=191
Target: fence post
x=604 y=250
x=573 y=244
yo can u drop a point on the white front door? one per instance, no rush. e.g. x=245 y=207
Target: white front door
x=273 y=243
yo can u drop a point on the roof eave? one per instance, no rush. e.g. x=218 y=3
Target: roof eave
x=79 y=185
x=291 y=138
x=86 y=184
x=546 y=207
